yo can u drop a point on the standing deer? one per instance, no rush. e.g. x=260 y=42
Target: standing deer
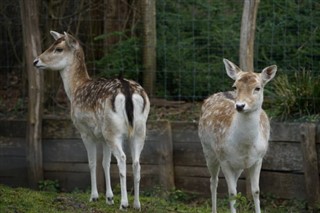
x=103 y=110
x=234 y=131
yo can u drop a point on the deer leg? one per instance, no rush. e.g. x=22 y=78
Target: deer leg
x=137 y=143
x=214 y=168
x=254 y=177
x=231 y=176
x=106 y=166
x=121 y=160
x=92 y=159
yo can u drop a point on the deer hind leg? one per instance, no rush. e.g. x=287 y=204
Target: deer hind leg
x=121 y=160
x=231 y=176
x=254 y=177
x=137 y=143
x=91 y=148
x=106 y=166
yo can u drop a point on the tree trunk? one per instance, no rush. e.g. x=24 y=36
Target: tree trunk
x=150 y=42
x=31 y=40
x=248 y=27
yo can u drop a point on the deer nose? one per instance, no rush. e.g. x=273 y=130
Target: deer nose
x=240 y=106
x=35 y=62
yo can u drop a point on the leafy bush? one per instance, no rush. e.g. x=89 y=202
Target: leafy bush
x=124 y=57
x=49 y=185
x=296 y=96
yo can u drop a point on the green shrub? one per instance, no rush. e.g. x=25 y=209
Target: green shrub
x=296 y=96
x=124 y=57
x=49 y=185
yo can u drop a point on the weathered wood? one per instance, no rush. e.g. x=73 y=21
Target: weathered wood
x=202 y=185
x=69 y=150
x=64 y=159
x=165 y=157
x=288 y=132
x=59 y=129
x=310 y=162
x=31 y=40
x=282 y=185
x=193 y=151
x=283 y=156
x=13 y=128
x=248 y=28
x=150 y=43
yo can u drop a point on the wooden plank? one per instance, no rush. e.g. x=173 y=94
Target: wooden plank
x=7 y=127
x=59 y=129
x=12 y=147
x=190 y=154
x=283 y=156
x=185 y=132
x=202 y=185
x=192 y=171
x=310 y=162
x=283 y=185
x=13 y=170
x=69 y=150
x=284 y=132
x=69 y=181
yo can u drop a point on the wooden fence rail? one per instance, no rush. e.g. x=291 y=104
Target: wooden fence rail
x=172 y=158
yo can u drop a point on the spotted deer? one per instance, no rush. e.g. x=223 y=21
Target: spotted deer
x=234 y=131
x=103 y=110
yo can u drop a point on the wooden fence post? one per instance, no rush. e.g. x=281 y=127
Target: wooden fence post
x=165 y=155
x=310 y=163
x=32 y=47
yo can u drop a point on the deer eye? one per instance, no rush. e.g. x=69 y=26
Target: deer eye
x=234 y=87
x=58 y=50
x=257 y=89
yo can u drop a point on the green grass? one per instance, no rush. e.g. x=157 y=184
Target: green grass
x=22 y=200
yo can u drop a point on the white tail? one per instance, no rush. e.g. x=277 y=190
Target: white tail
x=103 y=110
x=234 y=131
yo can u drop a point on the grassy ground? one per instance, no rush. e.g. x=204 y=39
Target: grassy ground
x=22 y=200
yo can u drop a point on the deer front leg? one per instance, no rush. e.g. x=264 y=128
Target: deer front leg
x=231 y=176
x=214 y=168
x=92 y=160
x=106 y=166
x=254 y=177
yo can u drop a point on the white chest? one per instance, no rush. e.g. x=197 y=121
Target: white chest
x=244 y=145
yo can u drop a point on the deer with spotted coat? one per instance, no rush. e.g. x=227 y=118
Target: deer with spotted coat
x=234 y=131
x=103 y=110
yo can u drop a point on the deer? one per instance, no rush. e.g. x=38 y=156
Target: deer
x=234 y=132
x=105 y=111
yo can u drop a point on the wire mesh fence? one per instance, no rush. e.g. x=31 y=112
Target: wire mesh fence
x=192 y=38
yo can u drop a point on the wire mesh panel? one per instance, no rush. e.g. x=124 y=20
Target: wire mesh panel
x=192 y=38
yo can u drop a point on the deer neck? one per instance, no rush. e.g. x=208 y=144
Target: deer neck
x=74 y=75
x=246 y=126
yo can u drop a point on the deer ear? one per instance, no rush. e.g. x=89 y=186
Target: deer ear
x=268 y=73
x=55 y=35
x=231 y=68
x=71 y=41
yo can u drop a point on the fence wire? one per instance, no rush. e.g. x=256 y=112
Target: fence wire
x=192 y=38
